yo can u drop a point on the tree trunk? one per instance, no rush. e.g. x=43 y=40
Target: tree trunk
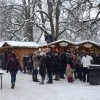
x=57 y=18
x=50 y=11
x=29 y=29
x=29 y=26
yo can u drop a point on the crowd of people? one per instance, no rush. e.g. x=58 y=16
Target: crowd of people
x=56 y=65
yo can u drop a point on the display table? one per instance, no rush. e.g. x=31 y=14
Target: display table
x=94 y=74
x=1 y=73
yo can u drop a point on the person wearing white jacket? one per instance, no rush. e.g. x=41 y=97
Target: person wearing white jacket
x=86 y=61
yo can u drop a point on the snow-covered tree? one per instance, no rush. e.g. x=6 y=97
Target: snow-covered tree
x=30 y=19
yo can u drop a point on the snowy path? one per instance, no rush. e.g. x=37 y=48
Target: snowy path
x=26 y=89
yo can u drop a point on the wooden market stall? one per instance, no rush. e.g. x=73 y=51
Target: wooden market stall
x=59 y=46
x=88 y=46
x=66 y=45
x=20 y=48
x=1 y=44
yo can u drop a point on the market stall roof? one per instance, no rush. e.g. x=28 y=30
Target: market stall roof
x=35 y=45
x=21 y=44
x=1 y=43
x=87 y=41
x=62 y=40
x=58 y=41
x=71 y=42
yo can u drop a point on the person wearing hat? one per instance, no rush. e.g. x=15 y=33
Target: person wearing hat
x=69 y=73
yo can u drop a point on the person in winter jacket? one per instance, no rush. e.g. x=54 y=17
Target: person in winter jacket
x=63 y=61
x=74 y=57
x=57 y=66
x=86 y=61
x=69 y=73
x=79 y=67
x=12 y=67
x=35 y=66
x=30 y=64
x=42 y=68
x=49 y=57
x=25 y=60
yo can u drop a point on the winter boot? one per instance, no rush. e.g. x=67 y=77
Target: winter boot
x=57 y=77
x=35 y=79
x=12 y=86
x=29 y=72
x=42 y=81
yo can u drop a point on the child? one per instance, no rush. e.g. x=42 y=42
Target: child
x=69 y=73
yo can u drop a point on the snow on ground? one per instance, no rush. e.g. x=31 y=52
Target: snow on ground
x=26 y=89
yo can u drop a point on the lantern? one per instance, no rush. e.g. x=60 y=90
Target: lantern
x=87 y=45
x=63 y=44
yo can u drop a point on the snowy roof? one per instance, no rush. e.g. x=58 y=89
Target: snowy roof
x=87 y=41
x=58 y=41
x=73 y=43
x=22 y=44
x=35 y=45
x=62 y=40
x=1 y=44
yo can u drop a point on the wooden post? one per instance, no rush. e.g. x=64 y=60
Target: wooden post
x=1 y=81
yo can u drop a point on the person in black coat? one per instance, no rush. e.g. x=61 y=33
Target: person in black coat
x=63 y=58
x=25 y=60
x=49 y=61
x=57 y=65
x=42 y=68
x=12 y=67
x=30 y=64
